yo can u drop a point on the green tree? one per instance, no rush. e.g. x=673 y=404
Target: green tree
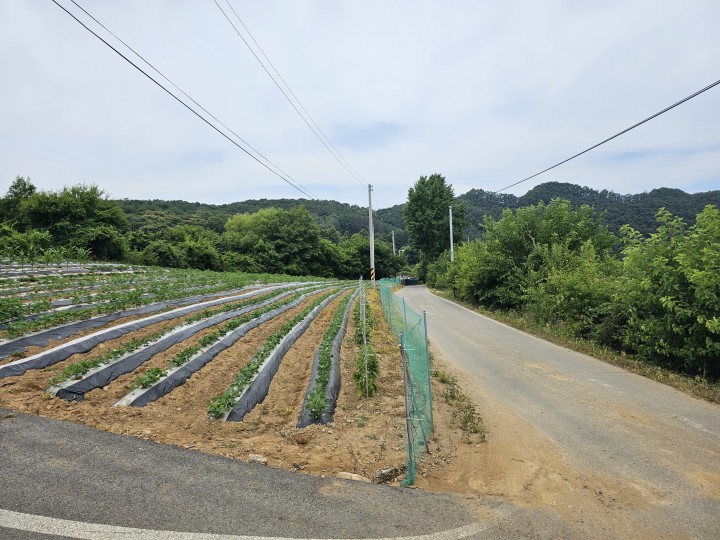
x=439 y=272
x=699 y=261
x=355 y=256
x=162 y=253
x=24 y=247
x=578 y=292
x=520 y=249
x=427 y=219
x=201 y=254
x=671 y=293
x=18 y=191
x=279 y=241
x=75 y=217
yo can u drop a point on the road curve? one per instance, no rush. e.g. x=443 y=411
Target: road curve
x=662 y=442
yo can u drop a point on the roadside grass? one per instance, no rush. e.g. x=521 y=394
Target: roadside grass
x=464 y=414
x=695 y=386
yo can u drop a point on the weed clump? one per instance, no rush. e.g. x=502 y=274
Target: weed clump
x=464 y=414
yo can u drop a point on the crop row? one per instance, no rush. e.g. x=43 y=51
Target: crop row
x=198 y=331
x=120 y=293
x=322 y=394
x=15 y=256
x=77 y=370
x=101 y=377
x=222 y=404
x=87 y=343
x=367 y=367
x=152 y=376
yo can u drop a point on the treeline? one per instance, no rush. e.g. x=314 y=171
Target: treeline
x=636 y=210
x=655 y=296
x=77 y=219
x=335 y=220
x=82 y=220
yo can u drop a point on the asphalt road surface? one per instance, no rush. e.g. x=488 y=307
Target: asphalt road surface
x=62 y=480
x=658 y=441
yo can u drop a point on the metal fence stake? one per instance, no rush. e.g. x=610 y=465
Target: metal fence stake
x=429 y=375
x=405 y=314
x=410 y=477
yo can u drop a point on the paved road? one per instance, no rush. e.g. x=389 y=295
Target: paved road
x=601 y=418
x=100 y=485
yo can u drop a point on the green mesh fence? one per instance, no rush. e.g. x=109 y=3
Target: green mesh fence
x=411 y=328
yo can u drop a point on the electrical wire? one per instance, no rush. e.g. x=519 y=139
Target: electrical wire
x=286 y=175
x=336 y=154
x=353 y=171
x=708 y=87
x=293 y=184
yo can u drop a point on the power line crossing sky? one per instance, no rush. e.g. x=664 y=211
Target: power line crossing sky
x=484 y=94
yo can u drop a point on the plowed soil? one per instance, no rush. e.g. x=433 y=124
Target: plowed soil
x=367 y=435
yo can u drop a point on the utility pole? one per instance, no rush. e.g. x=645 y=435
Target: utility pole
x=452 y=247
x=371 y=230
x=393 y=239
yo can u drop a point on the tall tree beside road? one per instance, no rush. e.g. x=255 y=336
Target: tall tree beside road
x=427 y=218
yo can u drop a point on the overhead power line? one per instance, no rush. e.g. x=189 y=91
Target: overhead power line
x=708 y=87
x=286 y=178
x=267 y=160
x=316 y=129
x=351 y=170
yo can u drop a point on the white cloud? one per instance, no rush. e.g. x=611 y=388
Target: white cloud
x=485 y=93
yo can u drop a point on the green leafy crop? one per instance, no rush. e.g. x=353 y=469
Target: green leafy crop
x=220 y=404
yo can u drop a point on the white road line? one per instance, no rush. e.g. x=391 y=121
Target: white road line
x=695 y=425
x=97 y=531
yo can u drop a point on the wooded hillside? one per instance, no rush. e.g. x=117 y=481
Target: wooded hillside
x=335 y=218
x=196 y=235
x=637 y=210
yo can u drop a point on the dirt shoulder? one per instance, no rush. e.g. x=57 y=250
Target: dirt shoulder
x=519 y=465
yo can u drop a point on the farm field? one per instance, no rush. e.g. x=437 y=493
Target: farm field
x=178 y=359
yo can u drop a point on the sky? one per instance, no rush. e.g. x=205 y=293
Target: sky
x=485 y=93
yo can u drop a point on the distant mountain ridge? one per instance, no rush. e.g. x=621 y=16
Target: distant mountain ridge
x=636 y=210
x=346 y=219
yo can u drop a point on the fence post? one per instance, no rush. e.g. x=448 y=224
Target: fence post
x=427 y=351
x=410 y=475
x=388 y=299
x=405 y=314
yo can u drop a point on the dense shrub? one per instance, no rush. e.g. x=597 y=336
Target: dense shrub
x=671 y=291
x=657 y=298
